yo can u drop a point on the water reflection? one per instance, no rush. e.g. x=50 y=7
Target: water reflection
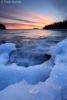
x=36 y=33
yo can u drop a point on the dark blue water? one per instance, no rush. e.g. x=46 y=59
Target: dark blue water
x=32 y=45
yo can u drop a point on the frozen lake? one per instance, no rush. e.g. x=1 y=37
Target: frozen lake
x=32 y=45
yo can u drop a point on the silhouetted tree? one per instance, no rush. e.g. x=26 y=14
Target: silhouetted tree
x=58 y=25
x=2 y=26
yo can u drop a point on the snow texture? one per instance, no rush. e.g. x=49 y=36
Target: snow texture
x=47 y=81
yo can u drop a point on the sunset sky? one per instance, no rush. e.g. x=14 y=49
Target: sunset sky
x=28 y=14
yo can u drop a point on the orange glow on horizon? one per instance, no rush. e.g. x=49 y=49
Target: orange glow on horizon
x=39 y=22
x=20 y=26
x=26 y=26
x=28 y=20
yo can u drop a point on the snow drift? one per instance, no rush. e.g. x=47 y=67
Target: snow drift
x=47 y=81
x=12 y=73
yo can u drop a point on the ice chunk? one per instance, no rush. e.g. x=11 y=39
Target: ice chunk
x=10 y=74
x=53 y=88
x=7 y=48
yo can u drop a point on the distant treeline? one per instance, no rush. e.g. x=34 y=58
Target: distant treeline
x=58 y=25
x=2 y=27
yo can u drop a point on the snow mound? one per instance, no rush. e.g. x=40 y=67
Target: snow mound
x=5 y=49
x=12 y=73
x=53 y=88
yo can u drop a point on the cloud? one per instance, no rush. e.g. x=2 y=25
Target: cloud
x=38 y=20
x=28 y=19
x=17 y=19
x=19 y=26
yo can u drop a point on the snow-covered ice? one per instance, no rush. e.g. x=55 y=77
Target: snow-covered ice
x=47 y=81
x=12 y=73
